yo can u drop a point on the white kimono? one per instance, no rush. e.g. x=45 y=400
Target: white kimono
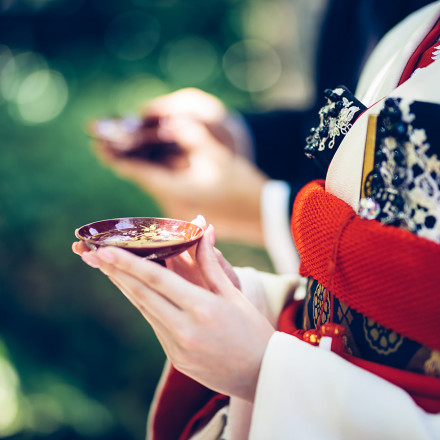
x=307 y=392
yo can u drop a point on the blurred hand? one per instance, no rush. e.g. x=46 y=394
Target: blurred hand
x=199 y=106
x=212 y=334
x=210 y=174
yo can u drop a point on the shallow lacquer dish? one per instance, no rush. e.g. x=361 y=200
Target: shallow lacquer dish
x=149 y=237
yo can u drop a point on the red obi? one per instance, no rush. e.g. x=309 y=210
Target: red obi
x=378 y=271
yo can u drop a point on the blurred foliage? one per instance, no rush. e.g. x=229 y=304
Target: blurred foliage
x=77 y=361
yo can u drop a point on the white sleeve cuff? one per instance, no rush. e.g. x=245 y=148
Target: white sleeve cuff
x=276 y=226
x=241 y=134
x=269 y=292
x=310 y=393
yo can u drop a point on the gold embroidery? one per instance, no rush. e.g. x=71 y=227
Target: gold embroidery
x=432 y=365
x=370 y=147
x=318 y=299
x=365 y=338
x=380 y=339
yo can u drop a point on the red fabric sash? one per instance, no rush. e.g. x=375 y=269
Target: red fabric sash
x=183 y=407
x=384 y=272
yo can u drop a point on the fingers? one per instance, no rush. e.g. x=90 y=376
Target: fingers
x=153 y=306
x=185 y=264
x=79 y=247
x=189 y=101
x=167 y=307
x=178 y=291
x=194 y=135
x=184 y=117
x=200 y=221
x=212 y=271
x=228 y=269
x=124 y=134
x=182 y=289
x=162 y=315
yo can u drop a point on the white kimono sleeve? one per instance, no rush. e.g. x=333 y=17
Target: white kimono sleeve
x=306 y=392
x=270 y=292
x=275 y=215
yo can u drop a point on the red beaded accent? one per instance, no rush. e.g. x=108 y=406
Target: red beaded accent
x=331 y=330
x=311 y=336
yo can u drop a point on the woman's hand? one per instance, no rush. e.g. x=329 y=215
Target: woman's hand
x=211 y=333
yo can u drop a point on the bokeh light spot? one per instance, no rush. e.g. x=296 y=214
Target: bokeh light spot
x=132 y=35
x=86 y=415
x=42 y=96
x=189 y=60
x=9 y=399
x=45 y=413
x=252 y=65
x=268 y=21
x=16 y=69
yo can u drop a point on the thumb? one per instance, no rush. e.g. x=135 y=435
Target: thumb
x=212 y=271
x=192 y=134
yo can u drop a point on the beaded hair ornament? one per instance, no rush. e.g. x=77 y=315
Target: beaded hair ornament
x=335 y=119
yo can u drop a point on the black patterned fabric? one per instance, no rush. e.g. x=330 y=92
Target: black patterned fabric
x=335 y=119
x=403 y=189
x=366 y=339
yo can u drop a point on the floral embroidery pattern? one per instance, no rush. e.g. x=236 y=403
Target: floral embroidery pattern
x=335 y=119
x=404 y=187
x=380 y=339
x=318 y=304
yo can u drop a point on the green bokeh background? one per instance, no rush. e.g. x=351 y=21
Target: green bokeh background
x=77 y=361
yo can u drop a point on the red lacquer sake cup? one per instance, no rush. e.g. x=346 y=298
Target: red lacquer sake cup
x=149 y=237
